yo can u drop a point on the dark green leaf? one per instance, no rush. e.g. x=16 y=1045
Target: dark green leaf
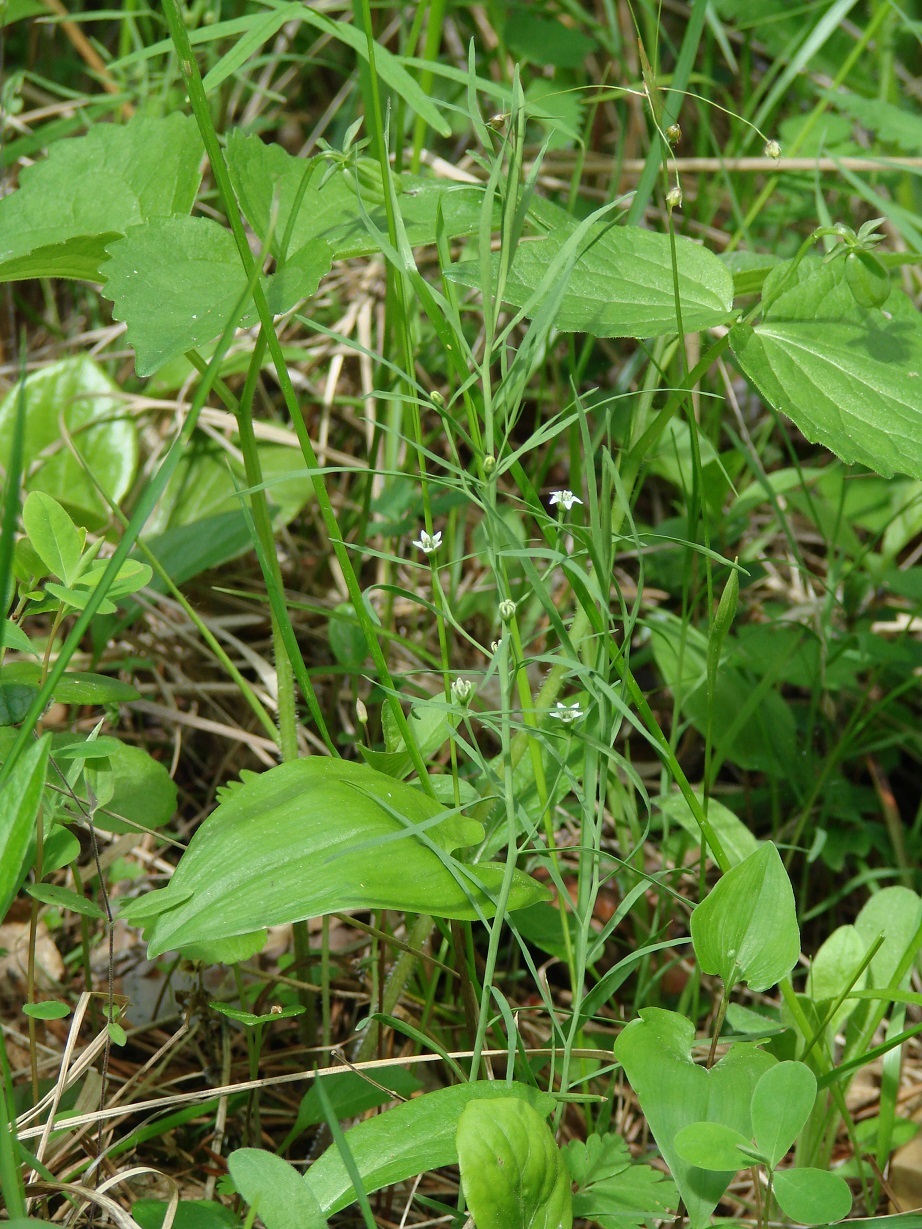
x=64 y=898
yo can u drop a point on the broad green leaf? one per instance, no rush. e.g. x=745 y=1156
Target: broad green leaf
x=22 y=796
x=53 y=534
x=190 y=1214
x=77 y=396
x=407 y=1140
x=269 y=183
x=351 y=1095
x=51 y=1009
x=712 y=1145
x=832 y=971
x=320 y=836
x=850 y=378
x=761 y=735
x=545 y=40
x=737 y=841
x=895 y=913
x=622 y=282
x=77 y=598
x=65 y=898
x=142 y=792
x=91 y=189
x=675 y=1092
x=746 y=928
x=781 y=1104
x=512 y=1171
x=275 y=1190
x=226 y=951
x=430 y=725
x=812 y=1196
x=177 y=281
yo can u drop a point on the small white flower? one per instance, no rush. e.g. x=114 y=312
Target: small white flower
x=567 y=498
x=429 y=544
x=461 y=690
x=566 y=712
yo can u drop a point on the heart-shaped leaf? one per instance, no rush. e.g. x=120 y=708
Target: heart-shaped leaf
x=675 y=1092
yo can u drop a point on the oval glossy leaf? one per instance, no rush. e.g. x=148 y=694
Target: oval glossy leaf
x=746 y=928
x=812 y=1196
x=78 y=394
x=675 y=1092
x=711 y=1145
x=622 y=283
x=832 y=971
x=840 y=371
x=92 y=188
x=275 y=1190
x=781 y=1104
x=22 y=796
x=407 y=1140
x=143 y=793
x=74 y=686
x=53 y=535
x=512 y=1171
x=15 y=701
x=320 y=836
x=894 y=912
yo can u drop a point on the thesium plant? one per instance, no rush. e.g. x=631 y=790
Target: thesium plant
x=461 y=486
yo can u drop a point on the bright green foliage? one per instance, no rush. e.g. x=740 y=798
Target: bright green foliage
x=834 y=969
x=77 y=394
x=22 y=796
x=675 y=1092
x=64 y=898
x=274 y=1190
x=735 y=838
x=89 y=190
x=746 y=927
x=308 y=838
x=840 y=370
x=512 y=1171
x=611 y=1189
x=812 y=1196
x=781 y=1105
x=407 y=1140
x=621 y=284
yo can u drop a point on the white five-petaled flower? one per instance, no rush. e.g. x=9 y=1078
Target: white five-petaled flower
x=566 y=498
x=427 y=544
x=566 y=712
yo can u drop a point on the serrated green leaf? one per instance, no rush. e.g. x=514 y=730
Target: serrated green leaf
x=614 y=1190
x=746 y=928
x=77 y=394
x=91 y=189
x=512 y=1171
x=407 y=1140
x=839 y=371
x=621 y=284
x=269 y=855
